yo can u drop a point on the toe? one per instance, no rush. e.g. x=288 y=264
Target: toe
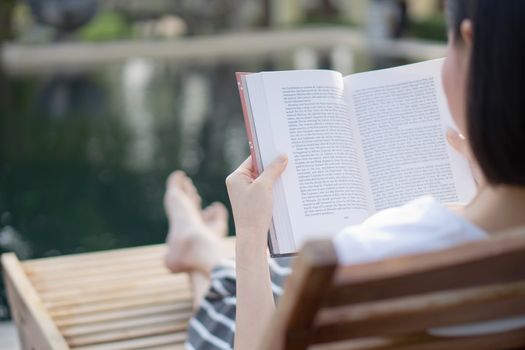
x=175 y=179
x=209 y=213
x=190 y=189
x=179 y=181
x=220 y=209
x=216 y=218
x=214 y=211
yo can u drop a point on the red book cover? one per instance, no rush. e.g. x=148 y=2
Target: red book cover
x=246 y=114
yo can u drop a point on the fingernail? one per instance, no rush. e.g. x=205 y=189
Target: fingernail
x=283 y=158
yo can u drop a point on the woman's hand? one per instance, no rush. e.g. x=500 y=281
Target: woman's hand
x=251 y=198
x=460 y=144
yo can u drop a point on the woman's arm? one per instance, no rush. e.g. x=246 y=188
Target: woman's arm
x=251 y=200
x=255 y=304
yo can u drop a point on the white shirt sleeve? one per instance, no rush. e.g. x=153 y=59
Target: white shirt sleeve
x=421 y=225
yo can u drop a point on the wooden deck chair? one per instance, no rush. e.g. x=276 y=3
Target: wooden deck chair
x=122 y=299
x=391 y=304
x=126 y=299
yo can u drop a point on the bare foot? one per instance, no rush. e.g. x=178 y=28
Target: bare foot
x=216 y=218
x=193 y=240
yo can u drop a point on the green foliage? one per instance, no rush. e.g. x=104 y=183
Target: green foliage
x=432 y=28
x=106 y=26
x=6 y=9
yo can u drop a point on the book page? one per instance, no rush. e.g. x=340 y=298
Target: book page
x=307 y=118
x=402 y=116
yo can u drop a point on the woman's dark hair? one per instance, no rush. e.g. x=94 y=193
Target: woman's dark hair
x=496 y=85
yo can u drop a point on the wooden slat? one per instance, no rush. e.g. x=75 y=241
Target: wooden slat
x=37 y=329
x=73 y=292
x=115 y=268
x=132 y=259
x=104 y=259
x=90 y=272
x=168 y=347
x=360 y=344
x=45 y=286
x=506 y=340
x=142 y=311
x=487 y=262
x=409 y=315
x=97 y=258
x=134 y=292
x=423 y=341
x=127 y=334
x=135 y=344
x=144 y=320
x=115 y=301
x=120 y=305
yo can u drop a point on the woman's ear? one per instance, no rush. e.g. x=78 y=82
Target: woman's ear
x=466 y=32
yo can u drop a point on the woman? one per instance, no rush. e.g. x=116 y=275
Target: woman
x=484 y=79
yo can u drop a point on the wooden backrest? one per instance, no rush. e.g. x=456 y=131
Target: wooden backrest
x=397 y=300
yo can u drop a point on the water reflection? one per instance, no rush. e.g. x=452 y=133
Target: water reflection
x=84 y=156
x=137 y=79
x=65 y=95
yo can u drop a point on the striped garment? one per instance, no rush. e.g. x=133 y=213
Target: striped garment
x=213 y=325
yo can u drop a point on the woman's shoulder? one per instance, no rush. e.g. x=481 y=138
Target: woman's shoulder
x=421 y=225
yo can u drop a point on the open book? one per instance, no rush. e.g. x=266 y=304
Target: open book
x=356 y=145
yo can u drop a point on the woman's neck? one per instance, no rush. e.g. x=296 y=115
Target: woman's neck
x=497 y=208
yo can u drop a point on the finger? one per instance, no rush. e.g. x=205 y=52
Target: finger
x=457 y=141
x=246 y=168
x=274 y=170
x=244 y=171
x=247 y=164
x=460 y=144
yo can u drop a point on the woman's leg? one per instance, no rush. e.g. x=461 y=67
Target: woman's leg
x=200 y=284
x=196 y=246
x=195 y=238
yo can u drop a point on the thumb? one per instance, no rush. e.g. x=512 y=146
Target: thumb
x=274 y=170
x=457 y=141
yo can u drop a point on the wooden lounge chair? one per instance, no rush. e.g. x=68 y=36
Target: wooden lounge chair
x=116 y=300
x=390 y=304
x=125 y=299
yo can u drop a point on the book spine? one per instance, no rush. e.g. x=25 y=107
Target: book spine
x=246 y=114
